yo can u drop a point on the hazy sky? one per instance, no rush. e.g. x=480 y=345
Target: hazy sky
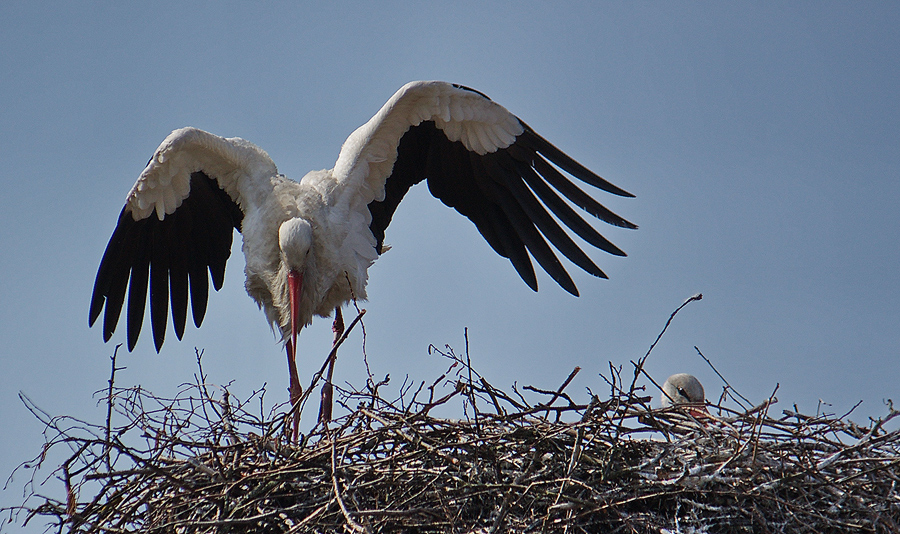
x=762 y=143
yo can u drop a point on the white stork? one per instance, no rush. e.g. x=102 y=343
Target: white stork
x=308 y=244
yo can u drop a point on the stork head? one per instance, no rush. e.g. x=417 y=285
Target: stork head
x=295 y=241
x=682 y=388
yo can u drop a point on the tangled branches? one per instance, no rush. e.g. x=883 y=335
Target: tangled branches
x=204 y=462
x=529 y=460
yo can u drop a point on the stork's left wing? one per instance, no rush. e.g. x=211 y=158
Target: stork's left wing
x=481 y=160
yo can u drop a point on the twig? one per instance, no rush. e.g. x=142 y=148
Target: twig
x=730 y=387
x=110 y=401
x=471 y=382
x=640 y=365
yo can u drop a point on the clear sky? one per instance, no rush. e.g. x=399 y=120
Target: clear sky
x=763 y=144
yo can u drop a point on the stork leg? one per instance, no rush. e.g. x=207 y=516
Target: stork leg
x=328 y=389
x=295 y=389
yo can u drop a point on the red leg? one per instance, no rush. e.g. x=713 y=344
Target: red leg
x=295 y=389
x=325 y=406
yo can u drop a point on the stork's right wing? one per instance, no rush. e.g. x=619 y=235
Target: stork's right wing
x=177 y=225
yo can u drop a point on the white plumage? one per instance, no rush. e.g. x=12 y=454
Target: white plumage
x=326 y=230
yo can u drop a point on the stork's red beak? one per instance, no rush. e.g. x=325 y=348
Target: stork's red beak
x=295 y=286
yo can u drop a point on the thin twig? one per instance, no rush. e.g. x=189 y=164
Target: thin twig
x=730 y=387
x=110 y=401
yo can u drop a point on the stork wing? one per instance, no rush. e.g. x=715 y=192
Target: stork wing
x=176 y=225
x=487 y=164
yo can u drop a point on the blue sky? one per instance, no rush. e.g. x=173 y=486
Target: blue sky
x=762 y=142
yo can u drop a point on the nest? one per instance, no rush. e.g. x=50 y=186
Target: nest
x=524 y=460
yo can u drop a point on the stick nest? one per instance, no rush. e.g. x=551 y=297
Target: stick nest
x=530 y=460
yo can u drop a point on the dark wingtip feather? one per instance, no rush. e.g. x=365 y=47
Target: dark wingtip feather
x=534 y=141
x=199 y=289
x=159 y=286
x=183 y=251
x=108 y=282
x=576 y=195
x=97 y=301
